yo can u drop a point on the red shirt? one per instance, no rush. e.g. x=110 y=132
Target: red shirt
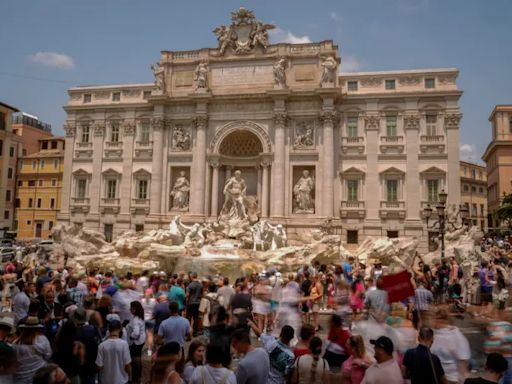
x=338 y=336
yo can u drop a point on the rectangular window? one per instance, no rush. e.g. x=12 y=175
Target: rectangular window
x=17 y=202
x=1 y=147
x=20 y=183
x=114 y=132
x=430 y=82
x=39 y=183
x=54 y=182
x=44 y=145
x=81 y=188
x=352 y=85
x=473 y=189
x=85 y=133
x=432 y=127
x=110 y=192
x=352 y=237
x=392 y=190
x=52 y=203
x=10 y=173
x=146 y=94
x=390 y=125
x=481 y=190
x=432 y=190
x=352 y=190
x=54 y=145
x=142 y=189
x=3 y=123
x=352 y=126
x=31 y=183
x=8 y=195
x=474 y=211
x=139 y=227
x=144 y=132
x=390 y=84
x=108 y=232
x=482 y=208
x=116 y=96
x=29 y=222
x=466 y=188
x=6 y=215
x=56 y=163
x=87 y=98
x=392 y=234
x=34 y=164
x=510 y=123
x=39 y=203
x=11 y=152
x=42 y=164
x=30 y=202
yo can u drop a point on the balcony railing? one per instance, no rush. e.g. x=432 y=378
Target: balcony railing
x=114 y=144
x=84 y=144
x=80 y=200
x=110 y=201
x=391 y=139
x=140 y=202
x=392 y=204
x=143 y=144
x=352 y=140
x=432 y=139
x=352 y=205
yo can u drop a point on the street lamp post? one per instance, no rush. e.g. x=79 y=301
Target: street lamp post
x=443 y=222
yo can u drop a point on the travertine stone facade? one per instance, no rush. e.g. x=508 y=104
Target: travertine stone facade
x=473 y=190
x=498 y=157
x=372 y=142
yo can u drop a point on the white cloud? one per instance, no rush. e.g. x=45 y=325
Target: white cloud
x=335 y=16
x=351 y=63
x=468 y=153
x=53 y=60
x=279 y=35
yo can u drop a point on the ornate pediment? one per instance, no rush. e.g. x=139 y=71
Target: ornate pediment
x=244 y=34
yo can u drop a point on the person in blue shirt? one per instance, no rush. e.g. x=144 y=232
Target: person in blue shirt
x=177 y=294
x=348 y=269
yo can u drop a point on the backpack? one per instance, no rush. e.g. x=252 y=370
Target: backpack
x=214 y=307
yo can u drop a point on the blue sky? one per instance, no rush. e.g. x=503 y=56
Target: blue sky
x=51 y=45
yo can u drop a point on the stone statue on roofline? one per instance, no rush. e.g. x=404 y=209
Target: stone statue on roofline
x=159 y=73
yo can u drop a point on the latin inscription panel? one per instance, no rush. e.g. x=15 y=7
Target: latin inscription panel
x=253 y=74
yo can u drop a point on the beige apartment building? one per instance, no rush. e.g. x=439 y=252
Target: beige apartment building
x=377 y=146
x=498 y=159
x=473 y=183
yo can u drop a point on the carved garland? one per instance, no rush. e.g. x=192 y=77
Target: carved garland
x=70 y=129
x=99 y=128
x=129 y=128
x=452 y=120
x=236 y=126
x=157 y=123
x=280 y=119
x=371 y=122
x=200 y=121
x=411 y=122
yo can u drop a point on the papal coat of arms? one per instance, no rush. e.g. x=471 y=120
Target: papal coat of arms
x=244 y=34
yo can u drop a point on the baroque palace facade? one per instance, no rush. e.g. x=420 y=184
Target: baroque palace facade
x=377 y=146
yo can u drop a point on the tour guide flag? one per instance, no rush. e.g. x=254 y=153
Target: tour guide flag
x=398 y=286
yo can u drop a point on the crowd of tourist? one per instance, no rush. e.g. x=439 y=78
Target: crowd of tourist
x=60 y=326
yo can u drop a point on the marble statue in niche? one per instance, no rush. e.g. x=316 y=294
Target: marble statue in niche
x=181 y=140
x=201 y=76
x=303 y=194
x=180 y=192
x=304 y=135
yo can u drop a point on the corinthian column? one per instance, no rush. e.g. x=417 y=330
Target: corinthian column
x=264 y=189
x=278 y=173
x=215 y=189
x=199 y=167
x=328 y=119
x=157 y=125
x=412 y=180
x=451 y=122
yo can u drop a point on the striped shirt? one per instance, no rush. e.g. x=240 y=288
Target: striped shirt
x=422 y=299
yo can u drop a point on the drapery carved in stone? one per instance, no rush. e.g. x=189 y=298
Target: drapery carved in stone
x=99 y=128
x=70 y=129
x=411 y=121
x=157 y=123
x=452 y=120
x=371 y=122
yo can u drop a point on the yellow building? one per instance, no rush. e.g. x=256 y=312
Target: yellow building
x=473 y=184
x=39 y=190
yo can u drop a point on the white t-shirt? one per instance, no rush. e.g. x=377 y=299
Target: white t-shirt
x=451 y=346
x=305 y=369
x=384 y=373
x=113 y=356
x=205 y=374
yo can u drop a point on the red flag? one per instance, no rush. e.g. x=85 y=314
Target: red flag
x=398 y=286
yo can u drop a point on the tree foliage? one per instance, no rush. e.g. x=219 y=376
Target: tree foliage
x=504 y=212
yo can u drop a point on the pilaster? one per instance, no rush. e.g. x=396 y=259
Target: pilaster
x=452 y=124
x=278 y=168
x=157 y=126
x=96 y=187
x=412 y=180
x=67 y=182
x=328 y=119
x=199 y=166
x=126 y=180
x=371 y=122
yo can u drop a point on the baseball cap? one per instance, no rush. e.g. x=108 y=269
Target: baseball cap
x=385 y=343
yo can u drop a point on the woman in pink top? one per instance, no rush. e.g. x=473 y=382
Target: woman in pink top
x=353 y=369
x=357 y=295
